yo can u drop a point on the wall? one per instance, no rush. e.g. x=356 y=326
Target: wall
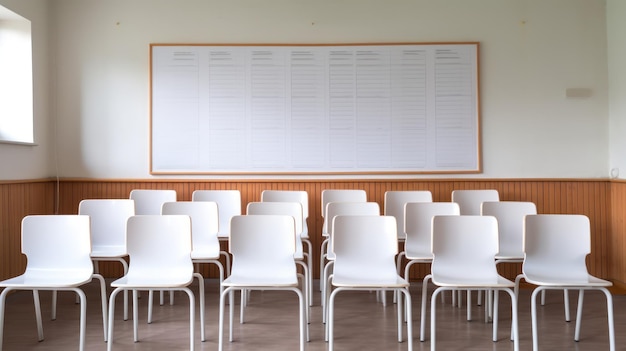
x=33 y=162
x=531 y=52
x=616 y=29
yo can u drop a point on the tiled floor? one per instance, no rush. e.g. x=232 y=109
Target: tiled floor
x=361 y=324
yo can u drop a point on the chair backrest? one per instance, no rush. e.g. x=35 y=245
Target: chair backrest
x=464 y=248
x=365 y=247
x=510 y=216
x=556 y=246
x=341 y=195
x=59 y=243
x=470 y=200
x=293 y=209
x=335 y=209
x=149 y=201
x=160 y=245
x=348 y=208
x=204 y=222
x=108 y=221
x=418 y=225
x=228 y=205
x=394 y=204
x=300 y=196
x=263 y=247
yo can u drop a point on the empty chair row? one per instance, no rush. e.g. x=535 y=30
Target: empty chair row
x=58 y=251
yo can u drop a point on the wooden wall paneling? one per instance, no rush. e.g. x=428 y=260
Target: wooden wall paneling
x=17 y=200
x=617 y=241
x=597 y=199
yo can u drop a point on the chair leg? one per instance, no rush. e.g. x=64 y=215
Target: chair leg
x=125 y=271
x=38 y=314
x=579 y=313
x=103 y=296
x=226 y=261
x=136 y=313
x=433 y=319
x=83 y=318
x=323 y=248
x=192 y=316
x=610 y=320
x=150 y=302
x=514 y=319
x=3 y=297
x=324 y=279
x=533 y=316
x=304 y=329
x=232 y=313
x=469 y=304
x=409 y=323
x=309 y=261
x=220 y=334
x=496 y=298
x=401 y=254
x=423 y=314
x=331 y=318
x=306 y=287
x=566 y=305
x=202 y=305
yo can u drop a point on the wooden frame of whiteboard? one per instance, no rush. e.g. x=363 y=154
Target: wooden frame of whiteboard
x=324 y=172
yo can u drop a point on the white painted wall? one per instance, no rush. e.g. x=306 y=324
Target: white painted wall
x=33 y=162
x=616 y=12
x=531 y=52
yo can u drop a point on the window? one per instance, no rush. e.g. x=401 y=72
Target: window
x=16 y=78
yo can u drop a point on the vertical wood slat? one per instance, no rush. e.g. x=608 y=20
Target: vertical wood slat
x=17 y=200
x=603 y=201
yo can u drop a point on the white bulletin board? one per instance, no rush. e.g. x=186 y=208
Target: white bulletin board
x=315 y=109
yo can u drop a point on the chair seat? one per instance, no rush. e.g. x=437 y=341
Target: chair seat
x=348 y=281
x=163 y=280
x=424 y=256
x=249 y=281
x=564 y=281
x=510 y=256
x=468 y=282
x=48 y=279
x=205 y=253
x=108 y=251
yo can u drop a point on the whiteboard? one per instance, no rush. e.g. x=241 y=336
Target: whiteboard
x=314 y=109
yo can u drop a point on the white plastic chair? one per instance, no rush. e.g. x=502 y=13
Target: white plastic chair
x=293 y=209
x=263 y=247
x=556 y=246
x=510 y=216
x=335 y=195
x=464 y=249
x=205 y=247
x=334 y=209
x=108 y=232
x=159 y=247
x=228 y=206
x=58 y=249
x=365 y=249
x=394 y=206
x=418 y=226
x=470 y=201
x=149 y=202
x=302 y=197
